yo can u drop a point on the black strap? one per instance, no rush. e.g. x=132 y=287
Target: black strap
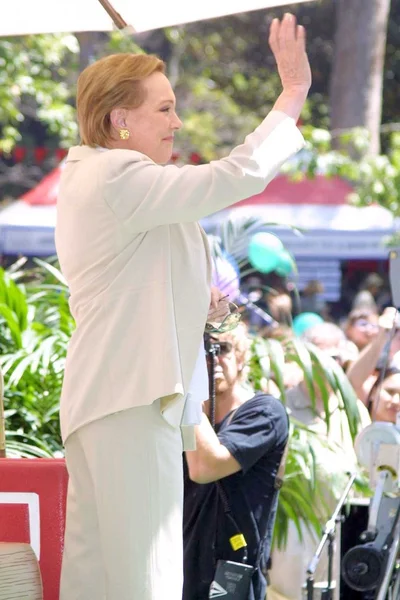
x=222 y=494
x=228 y=511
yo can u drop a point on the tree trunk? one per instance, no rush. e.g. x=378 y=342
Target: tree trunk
x=88 y=44
x=357 y=74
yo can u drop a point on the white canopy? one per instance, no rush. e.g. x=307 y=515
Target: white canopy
x=53 y=16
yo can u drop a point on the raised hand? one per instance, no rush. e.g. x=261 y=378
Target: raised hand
x=288 y=44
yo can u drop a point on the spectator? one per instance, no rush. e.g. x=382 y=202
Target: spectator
x=361 y=327
x=280 y=306
x=383 y=401
x=378 y=353
x=312 y=299
x=369 y=292
x=243 y=454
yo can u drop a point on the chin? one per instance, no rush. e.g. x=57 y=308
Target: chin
x=220 y=386
x=163 y=158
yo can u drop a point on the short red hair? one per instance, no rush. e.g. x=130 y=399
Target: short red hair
x=111 y=82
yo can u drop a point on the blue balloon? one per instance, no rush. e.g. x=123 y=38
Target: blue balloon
x=304 y=321
x=264 y=251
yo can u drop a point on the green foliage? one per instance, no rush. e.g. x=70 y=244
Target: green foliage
x=35 y=327
x=321 y=374
x=301 y=497
x=376 y=179
x=119 y=42
x=34 y=83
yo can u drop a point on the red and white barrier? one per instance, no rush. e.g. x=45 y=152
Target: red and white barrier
x=32 y=510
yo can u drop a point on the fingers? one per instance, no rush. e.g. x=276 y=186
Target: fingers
x=388 y=318
x=219 y=313
x=288 y=28
x=286 y=31
x=274 y=35
x=301 y=36
x=216 y=297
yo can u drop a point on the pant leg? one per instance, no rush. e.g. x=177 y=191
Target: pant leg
x=82 y=573
x=135 y=462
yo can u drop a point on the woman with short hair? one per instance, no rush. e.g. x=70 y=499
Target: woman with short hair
x=138 y=267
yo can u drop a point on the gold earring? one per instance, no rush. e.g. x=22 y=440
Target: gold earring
x=124 y=134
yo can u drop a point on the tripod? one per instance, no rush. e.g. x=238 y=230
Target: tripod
x=328 y=536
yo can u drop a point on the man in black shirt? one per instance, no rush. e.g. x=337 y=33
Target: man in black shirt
x=244 y=454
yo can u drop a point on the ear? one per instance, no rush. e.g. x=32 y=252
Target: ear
x=117 y=118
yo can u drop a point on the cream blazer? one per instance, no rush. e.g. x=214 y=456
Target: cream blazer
x=138 y=265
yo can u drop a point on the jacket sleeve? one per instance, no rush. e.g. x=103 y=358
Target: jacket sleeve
x=145 y=195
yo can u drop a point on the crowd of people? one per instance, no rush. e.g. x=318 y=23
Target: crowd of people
x=366 y=346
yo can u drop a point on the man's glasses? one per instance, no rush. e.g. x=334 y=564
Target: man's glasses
x=227 y=322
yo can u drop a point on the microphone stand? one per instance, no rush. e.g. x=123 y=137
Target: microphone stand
x=328 y=536
x=268 y=320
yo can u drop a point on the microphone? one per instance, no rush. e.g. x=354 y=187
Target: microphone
x=268 y=320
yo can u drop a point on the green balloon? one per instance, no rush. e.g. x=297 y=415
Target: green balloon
x=285 y=264
x=264 y=251
x=305 y=321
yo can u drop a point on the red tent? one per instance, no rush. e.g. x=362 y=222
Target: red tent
x=320 y=190
x=46 y=191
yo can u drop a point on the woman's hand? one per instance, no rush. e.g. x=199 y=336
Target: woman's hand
x=388 y=318
x=288 y=44
x=219 y=305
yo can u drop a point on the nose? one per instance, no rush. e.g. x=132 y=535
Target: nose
x=396 y=400
x=177 y=123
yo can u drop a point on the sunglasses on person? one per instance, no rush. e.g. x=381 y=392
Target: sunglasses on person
x=224 y=348
x=221 y=348
x=365 y=324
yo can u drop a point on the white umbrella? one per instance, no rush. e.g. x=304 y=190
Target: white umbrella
x=52 y=16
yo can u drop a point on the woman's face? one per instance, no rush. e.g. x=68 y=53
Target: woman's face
x=362 y=331
x=389 y=400
x=395 y=345
x=153 y=124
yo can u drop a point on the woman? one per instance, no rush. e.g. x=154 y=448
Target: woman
x=362 y=327
x=138 y=268
x=383 y=401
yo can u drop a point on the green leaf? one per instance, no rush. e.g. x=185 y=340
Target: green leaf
x=302 y=356
x=277 y=361
x=11 y=321
x=52 y=270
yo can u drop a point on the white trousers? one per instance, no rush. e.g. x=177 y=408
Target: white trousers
x=123 y=537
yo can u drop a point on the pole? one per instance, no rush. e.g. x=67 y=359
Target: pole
x=329 y=535
x=118 y=21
